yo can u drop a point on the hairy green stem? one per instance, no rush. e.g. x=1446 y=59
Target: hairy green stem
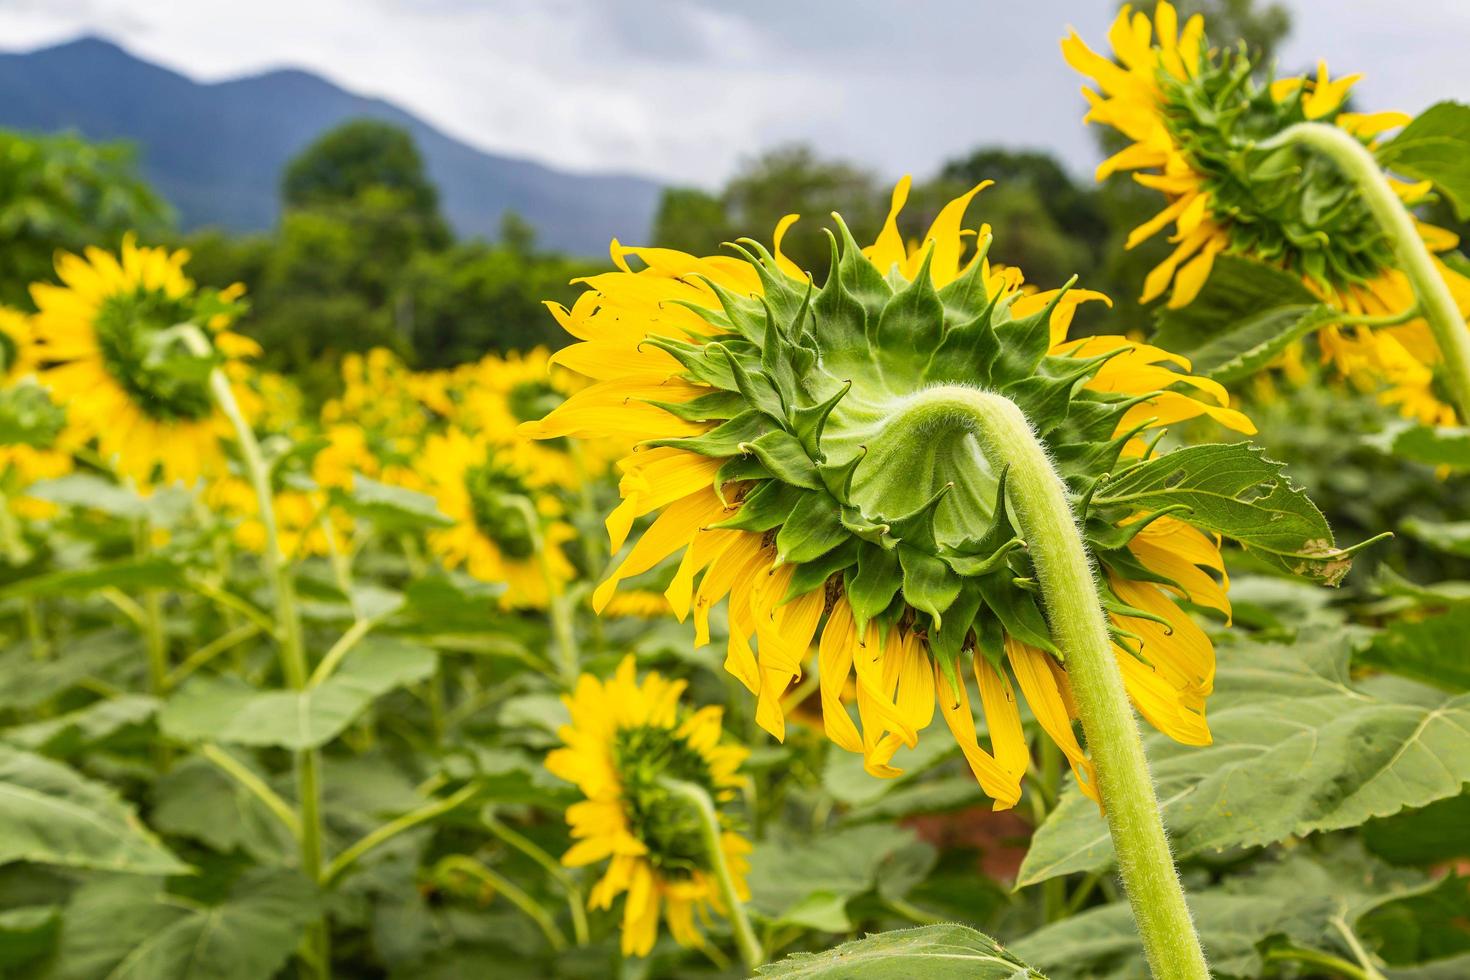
x=1414 y=258
x=288 y=631
x=1069 y=588
x=709 y=831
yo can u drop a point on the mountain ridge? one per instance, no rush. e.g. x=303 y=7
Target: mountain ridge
x=215 y=150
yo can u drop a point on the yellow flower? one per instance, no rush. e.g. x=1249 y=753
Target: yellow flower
x=97 y=341
x=623 y=738
x=476 y=483
x=1194 y=116
x=760 y=399
x=298 y=518
x=35 y=447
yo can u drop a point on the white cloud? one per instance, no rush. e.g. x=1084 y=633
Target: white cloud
x=682 y=89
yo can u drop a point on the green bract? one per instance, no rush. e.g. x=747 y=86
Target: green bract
x=840 y=446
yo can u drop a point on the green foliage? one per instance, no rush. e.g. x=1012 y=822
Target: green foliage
x=358 y=159
x=1245 y=317
x=1436 y=146
x=225 y=710
x=1298 y=749
x=51 y=814
x=943 y=952
x=116 y=928
x=61 y=192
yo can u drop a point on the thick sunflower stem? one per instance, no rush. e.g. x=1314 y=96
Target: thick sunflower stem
x=1069 y=588
x=709 y=830
x=1415 y=260
x=288 y=630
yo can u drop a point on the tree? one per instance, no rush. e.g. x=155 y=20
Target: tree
x=794 y=180
x=62 y=192
x=690 y=220
x=359 y=157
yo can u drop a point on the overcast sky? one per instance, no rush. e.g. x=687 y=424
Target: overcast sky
x=682 y=89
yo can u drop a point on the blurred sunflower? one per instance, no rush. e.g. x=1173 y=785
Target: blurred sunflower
x=298 y=513
x=102 y=347
x=32 y=426
x=498 y=393
x=1195 y=117
x=491 y=502
x=623 y=739
x=760 y=399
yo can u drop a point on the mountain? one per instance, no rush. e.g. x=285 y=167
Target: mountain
x=216 y=150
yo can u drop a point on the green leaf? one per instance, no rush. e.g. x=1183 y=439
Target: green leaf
x=1233 y=490
x=115 y=929
x=791 y=880
x=1450 y=537
x=1297 y=750
x=1305 y=897
x=50 y=814
x=28 y=933
x=943 y=952
x=133 y=573
x=1428 y=835
x=30 y=682
x=1431 y=650
x=75 y=731
x=197 y=800
x=1436 y=146
x=91 y=492
x=1246 y=314
x=223 y=709
x=1102 y=942
x=1444 y=446
x=392 y=508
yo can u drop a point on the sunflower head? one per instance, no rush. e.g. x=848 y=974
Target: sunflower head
x=1196 y=117
x=808 y=453
x=107 y=340
x=625 y=741
x=502 y=518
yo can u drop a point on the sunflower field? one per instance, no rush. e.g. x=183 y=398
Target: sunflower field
x=851 y=606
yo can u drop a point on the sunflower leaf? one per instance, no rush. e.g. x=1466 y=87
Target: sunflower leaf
x=1232 y=489
x=50 y=814
x=1436 y=146
x=227 y=710
x=942 y=952
x=1297 y=750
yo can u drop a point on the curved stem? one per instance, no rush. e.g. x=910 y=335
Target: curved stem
x=1069 y=589
x=553 y=868
x=376 y=838
x=517 y=897
x=1414 y=258
x=709 y=831
x=1325 y=960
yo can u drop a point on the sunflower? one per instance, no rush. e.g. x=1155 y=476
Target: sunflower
x=478 y=486
x=32 y=426
x=298 y=513
x=101 y=343
x=759 y=398
x=1195 y=117
x=623 y=739
x=498 y=393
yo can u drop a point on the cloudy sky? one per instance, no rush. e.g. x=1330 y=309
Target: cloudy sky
x=682 y=89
